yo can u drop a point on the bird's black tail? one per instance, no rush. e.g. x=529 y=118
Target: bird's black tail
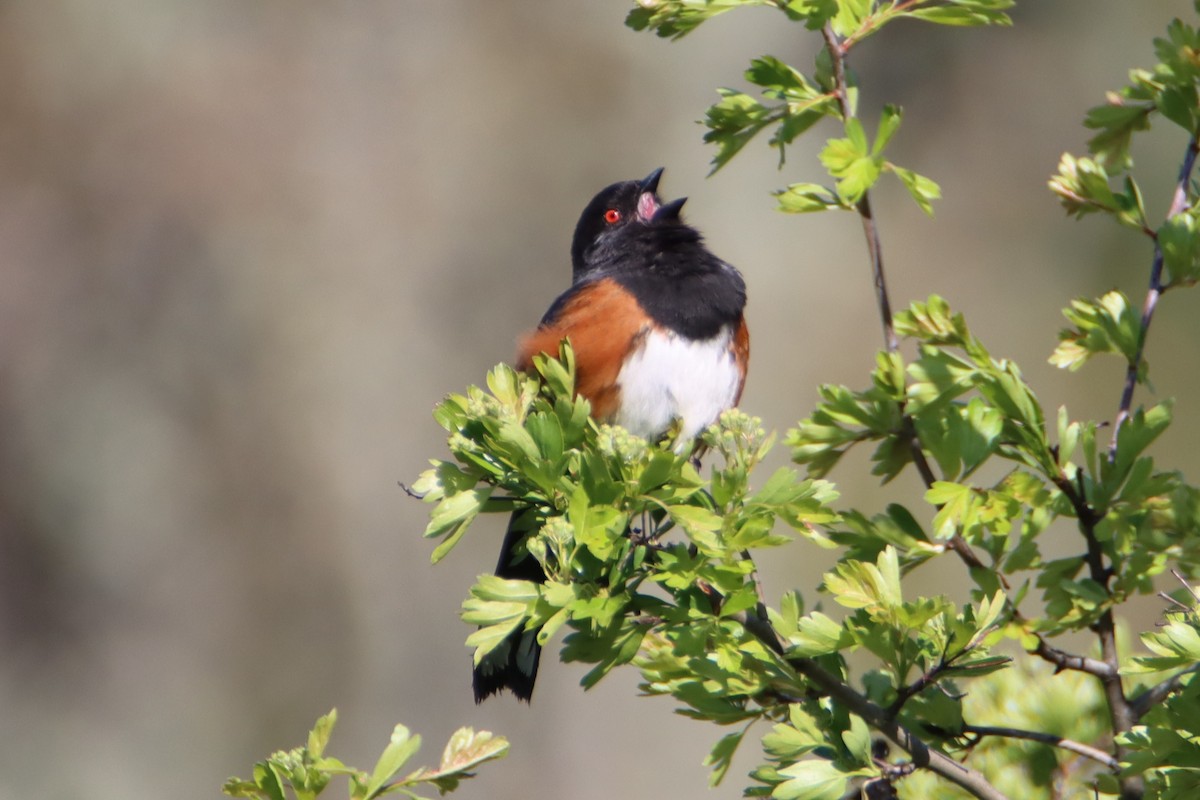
x=514 y=664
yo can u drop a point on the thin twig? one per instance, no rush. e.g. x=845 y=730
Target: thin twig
x=1083 y=510
x=1151 y=697
x=1179 y=202
x=1063 y=660
x=758 y=587
x=1088 y=519
x=926 y=679
x=1184 y=607
x=1187 y=586
x=1078 y=748
x=1120 y=711
x=837 y=55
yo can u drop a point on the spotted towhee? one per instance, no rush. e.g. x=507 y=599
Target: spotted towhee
x=656 y=323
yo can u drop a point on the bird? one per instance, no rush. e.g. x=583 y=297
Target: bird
x=658 y=329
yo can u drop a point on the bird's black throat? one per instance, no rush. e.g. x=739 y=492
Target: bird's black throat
x=679 y=283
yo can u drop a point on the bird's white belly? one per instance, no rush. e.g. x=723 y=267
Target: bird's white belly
x=671 y=377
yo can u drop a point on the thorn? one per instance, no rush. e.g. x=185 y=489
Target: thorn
x=1186 y=608
x=1186 y=585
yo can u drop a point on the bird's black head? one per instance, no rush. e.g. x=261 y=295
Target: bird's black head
x=612 y=215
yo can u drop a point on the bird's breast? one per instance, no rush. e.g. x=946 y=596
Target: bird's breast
x=669 y=376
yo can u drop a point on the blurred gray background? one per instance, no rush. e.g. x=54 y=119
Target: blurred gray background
x=246 y=247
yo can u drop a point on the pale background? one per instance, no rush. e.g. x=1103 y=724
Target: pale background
x=245 y=247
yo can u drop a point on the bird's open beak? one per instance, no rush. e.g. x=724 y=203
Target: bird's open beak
x=647 y=201
x=669 y=210
x=650 y=182
x=649 y=209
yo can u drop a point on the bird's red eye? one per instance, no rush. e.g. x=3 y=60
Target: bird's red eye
x=612 y=216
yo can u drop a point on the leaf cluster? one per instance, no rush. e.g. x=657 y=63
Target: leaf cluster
x=305 y=772
x=1084 y=185
x=600 y=503
x=1166 y=746
x=647 y=561
x=793 y=102
x=956 y=407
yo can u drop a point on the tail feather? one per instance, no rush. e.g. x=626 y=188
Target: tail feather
x=514 y=664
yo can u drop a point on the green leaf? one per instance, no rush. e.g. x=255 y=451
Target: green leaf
x=850 y=16
x=988 y=614
x=804 y=198
x=954 y=501
x=236 y=787
x=960 y=437
x=1107 y=325
x=922 y=189
x=465 y=750
x=720 y=758
x=858 y=741
x=1137 y=433
x=674 y=19
x=933 y=322
x=798 y=502
x=818 y=635
x=966 y=13
x=1179 y=240
x=599 y=528
x=845 y=418
x=781 y=80
x=733 y=122
x=814 y=13
x=811 y=779
x=801 y=735
x=1176 y=645
x=889 y=123
x=1082 y=186
x=499 y=606
x=663 y=467
x=268 y=779
x=1125 y=113
x=558 y=374
x=875 y=587
x=452 y=516
x=737 y=117
x=318 y=737
x=399 y=750
x=1178 y=104
x=850 y=161
x=700 y=524
x=505 y=384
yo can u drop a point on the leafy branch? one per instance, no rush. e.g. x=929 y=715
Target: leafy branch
x=710 y=618
x=687 y=609
x=1177 y=234
x=306 y=772
x=882 y=719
